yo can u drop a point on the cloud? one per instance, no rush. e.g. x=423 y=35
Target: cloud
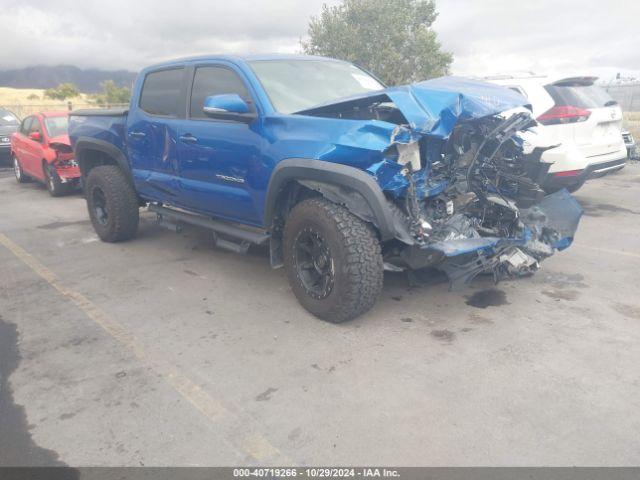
x=546 y=36
x=125 y=34
x=492 y=36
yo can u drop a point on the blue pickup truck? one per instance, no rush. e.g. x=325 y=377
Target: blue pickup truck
x=340 y=175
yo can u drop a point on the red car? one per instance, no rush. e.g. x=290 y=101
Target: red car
x=41 y=150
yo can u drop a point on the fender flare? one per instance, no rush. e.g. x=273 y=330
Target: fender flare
x=87 y=143
x=336 y=182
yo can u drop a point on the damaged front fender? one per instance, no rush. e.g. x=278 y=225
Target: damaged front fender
x=457 y=164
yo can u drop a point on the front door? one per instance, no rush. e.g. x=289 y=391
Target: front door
x=218 y=157
x=20 y=142
x=33 y=151
x=152 y=135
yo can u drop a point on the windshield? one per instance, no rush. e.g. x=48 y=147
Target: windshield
x=295 y=85
x=56 y=126
x=8 y=118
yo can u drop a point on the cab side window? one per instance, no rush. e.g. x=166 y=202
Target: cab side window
x=209 y=81
x=35 y=127
x=162 y=93
x=25 y=126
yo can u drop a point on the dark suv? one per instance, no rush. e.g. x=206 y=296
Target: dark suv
x=9 y=124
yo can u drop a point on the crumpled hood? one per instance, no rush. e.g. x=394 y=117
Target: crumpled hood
x=60 y=140
x=435 y=107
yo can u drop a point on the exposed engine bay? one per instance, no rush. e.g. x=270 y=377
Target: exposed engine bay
x=468 y=202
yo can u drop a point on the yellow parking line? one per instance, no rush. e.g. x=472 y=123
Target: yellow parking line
x=253 y=444
x=608 y=250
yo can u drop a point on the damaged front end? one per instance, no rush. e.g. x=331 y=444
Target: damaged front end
x=64 y=163
x=461 y=174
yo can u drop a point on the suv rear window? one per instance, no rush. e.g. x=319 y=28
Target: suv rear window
x=7 y=118
x=161 y=93
x=580 y=95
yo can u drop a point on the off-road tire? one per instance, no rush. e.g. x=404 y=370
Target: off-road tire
x=52 y=181
x=17 y=170
x=357 y=260
x=107 y=184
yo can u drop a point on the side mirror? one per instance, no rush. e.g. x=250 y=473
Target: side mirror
x=228 y=107
x=35 y=136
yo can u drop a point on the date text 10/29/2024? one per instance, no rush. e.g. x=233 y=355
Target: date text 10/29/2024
x=310 y=472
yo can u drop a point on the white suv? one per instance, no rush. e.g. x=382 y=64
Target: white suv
x=582 y=118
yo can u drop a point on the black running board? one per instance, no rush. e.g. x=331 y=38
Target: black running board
x=242 y=234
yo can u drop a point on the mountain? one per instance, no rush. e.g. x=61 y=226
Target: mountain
x=42 y=76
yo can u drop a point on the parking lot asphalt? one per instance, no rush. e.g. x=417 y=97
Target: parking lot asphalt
x=165 y=351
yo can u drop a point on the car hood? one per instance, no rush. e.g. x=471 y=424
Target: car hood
x=6 y=130
x=435 y=107
x=60 y=140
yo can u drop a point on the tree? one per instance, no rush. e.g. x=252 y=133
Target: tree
x=112 y=94
x=391 y=38
x=62 y=91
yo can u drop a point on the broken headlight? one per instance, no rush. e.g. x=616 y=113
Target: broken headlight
x=409 y=154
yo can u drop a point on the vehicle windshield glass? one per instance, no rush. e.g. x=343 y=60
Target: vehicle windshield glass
x=581 y=96
x=295 y=85
x=56 y=126
x=8 y=118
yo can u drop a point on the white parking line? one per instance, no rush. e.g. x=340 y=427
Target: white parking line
x=251 y=443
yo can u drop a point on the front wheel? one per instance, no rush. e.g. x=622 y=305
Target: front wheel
x=52 y=180
x=17 y=170
x=332 y=259
x=112 y=203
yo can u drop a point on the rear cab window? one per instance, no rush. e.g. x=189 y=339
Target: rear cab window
x=215 y=80
x=579 y=95
x=162 y=93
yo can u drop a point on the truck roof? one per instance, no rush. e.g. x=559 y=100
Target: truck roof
x=242 y=58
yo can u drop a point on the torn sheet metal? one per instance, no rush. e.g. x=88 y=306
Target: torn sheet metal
x=546 y=228
x=447 y=101
x=460 y=163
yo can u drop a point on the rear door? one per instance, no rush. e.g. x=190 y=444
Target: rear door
x=152 y=134
x=218 y=157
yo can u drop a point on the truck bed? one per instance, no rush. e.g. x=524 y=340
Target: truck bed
x=100 y=112
x=101 y=125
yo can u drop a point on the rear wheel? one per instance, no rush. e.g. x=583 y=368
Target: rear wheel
x=332 y=259
x=54 y=185
x=112 y=203
x=17 y=170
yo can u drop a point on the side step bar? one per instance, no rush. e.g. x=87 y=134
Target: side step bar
x=244 y=235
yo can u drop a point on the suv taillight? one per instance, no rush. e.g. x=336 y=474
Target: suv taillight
x=564 y=114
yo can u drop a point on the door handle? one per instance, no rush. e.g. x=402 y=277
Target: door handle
x=137 y=134
x=188 y=138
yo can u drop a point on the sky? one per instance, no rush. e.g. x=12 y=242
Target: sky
x=561 y=37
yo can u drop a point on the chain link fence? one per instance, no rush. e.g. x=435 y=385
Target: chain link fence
x=627 y=96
